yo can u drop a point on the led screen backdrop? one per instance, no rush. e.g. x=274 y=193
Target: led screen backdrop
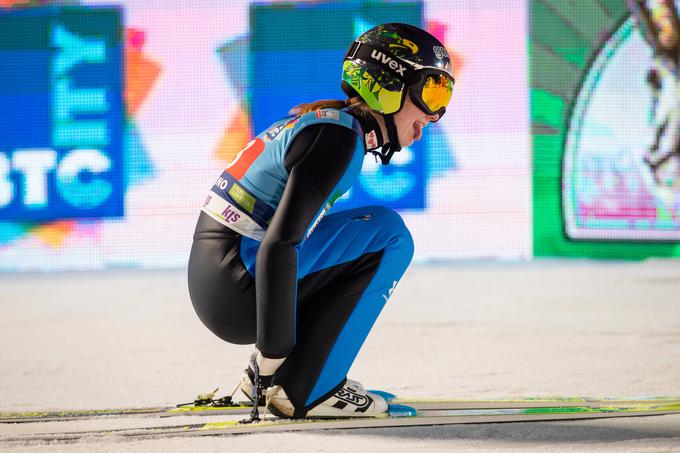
x=61 y=114
x=118 y=116
x=606 y=115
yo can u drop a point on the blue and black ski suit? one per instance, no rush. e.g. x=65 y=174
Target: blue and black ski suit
x=269 y=266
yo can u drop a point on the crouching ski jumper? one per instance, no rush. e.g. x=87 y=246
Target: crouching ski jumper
x=270 y=265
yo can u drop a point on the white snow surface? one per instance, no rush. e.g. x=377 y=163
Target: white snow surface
x=458 y=330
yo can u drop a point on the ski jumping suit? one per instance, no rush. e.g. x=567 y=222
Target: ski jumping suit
x=268 y=266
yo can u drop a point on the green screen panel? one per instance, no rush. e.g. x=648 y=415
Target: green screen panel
x=593 y=126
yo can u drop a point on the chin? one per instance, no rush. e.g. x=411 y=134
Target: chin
x=407 y=142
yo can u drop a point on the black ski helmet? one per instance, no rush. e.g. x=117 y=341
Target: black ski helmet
x=384 y=62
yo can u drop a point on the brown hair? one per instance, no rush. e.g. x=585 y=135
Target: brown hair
x=356 y=104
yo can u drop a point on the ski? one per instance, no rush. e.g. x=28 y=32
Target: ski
x=214 y=407
x=399 y=416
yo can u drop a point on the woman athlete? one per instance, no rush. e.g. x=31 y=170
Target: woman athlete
x=269 y=267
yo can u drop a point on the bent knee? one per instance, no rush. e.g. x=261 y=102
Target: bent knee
x=393 y=224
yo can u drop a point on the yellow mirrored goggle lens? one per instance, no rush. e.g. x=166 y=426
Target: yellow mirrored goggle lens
x=437 y=90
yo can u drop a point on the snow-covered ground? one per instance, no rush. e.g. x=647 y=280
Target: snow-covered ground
x=464 y=330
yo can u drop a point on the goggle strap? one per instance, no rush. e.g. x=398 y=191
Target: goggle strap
x=352 y=50
x=392 y=133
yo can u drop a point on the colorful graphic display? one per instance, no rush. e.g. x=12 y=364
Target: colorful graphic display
x=611 y=187
x=604 y=103
x=160 y=111
x=61 y=114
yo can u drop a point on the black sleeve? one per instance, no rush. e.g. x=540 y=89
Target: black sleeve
x=316 y=160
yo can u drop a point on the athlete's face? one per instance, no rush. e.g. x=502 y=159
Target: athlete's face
x=410 y=122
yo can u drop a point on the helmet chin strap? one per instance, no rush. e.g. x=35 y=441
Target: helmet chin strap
x=392 y=145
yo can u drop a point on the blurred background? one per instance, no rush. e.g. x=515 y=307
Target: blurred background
x=116 y=117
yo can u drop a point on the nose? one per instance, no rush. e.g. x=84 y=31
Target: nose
x=433 y=118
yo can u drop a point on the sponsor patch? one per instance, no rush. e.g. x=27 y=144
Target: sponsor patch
x=440 y=52
x=227 y=214
x=275 y=131
x=371 y=140
x=390 y=291
x=328 y=113
x=349 y=397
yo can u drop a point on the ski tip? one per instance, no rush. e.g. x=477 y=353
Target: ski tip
x=400 y=410
x=386 y=395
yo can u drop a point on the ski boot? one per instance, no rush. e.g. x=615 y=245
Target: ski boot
x=351 y=400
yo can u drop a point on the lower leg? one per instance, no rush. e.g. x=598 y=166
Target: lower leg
x=338 y=305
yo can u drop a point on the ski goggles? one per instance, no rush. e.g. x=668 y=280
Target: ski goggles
x=432 y=93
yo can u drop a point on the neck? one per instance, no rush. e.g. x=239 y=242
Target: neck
x=381 y=122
